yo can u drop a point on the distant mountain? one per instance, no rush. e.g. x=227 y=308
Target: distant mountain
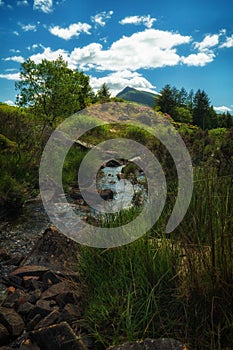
x=134 y=95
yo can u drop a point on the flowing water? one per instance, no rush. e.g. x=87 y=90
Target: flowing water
x=18 y=234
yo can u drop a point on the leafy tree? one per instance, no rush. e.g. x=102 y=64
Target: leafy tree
x=52 y=90
x=103 y=94
x=183 y=115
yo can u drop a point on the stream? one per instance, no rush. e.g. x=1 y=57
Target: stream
x=19 y=233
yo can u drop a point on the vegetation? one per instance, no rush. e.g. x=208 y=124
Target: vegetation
x=190 y=108
x=52 y=90
x=177 y=285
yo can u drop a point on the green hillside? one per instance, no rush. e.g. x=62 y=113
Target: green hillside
x=134 y=95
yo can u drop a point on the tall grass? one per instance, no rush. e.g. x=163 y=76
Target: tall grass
x=179 y=287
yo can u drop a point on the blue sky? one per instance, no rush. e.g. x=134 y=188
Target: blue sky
x=143 y=44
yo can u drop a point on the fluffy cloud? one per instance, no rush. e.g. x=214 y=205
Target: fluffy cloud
x=228 y=43
x=49 y=55
x=100 y=18
x=45 y=6
x=28 y=27
x=147 y=21
x=10 y=76
x=222 y=109
x=209 y=41
x=200 y=59
x=148 y=49
x=16 y=33
x=119 y=80
x=18 y=59
x=73 y=30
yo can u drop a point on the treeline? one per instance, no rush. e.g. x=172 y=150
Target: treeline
x=192 y=108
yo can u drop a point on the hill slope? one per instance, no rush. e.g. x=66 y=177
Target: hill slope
x=134 y=95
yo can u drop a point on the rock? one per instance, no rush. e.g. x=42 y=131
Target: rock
x=13 y=300
x=55 y=252
x=65 y=298
x=12 y=321
x=106 y=194
x=55 y=290
x=113 y=163
x=48 y=320
x=33 y=322
x=32 y=270
x=151 y=344
x=60 y=336
x=34 y=296
x=25 y=308
x=4 y=334
x=42 y=308
x=163 y=344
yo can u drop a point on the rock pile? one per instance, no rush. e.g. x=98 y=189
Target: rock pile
x=42 y=308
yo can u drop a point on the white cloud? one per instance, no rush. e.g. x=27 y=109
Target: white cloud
x=228 y=43
x=28 y=27
x=148 y=49
x=22 y=3
x=11 y=69
x=16 y=33
x=45 y=6
x=10 y=102
x=49 y=55
x=199 y=60
x=2 y=3
x=18 y=59
x=14 y=51
x=209 y=41
x=117 y=81
x=32 y=47
x=147 y=21
x=74 y=30
x=10 y=76
x=222 y=109
x=100 y=18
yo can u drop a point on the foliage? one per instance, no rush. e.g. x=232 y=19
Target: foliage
x=52 y=90
x=179 y=287
x=194 y=108
x=103 y=94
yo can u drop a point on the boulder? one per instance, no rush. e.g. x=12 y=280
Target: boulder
x=60 y=336
x=12 y=321
x=151 y=344
x=106 y=194
x=113 y=163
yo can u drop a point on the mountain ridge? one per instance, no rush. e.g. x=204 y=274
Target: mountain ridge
x=139 y=96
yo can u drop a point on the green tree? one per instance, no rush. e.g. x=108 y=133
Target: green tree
x=201 y=110
x=182 y=114
x=165 y=101
x=52 y=90
x=103 y=94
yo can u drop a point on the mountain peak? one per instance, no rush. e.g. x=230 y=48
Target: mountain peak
x=134 y=95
